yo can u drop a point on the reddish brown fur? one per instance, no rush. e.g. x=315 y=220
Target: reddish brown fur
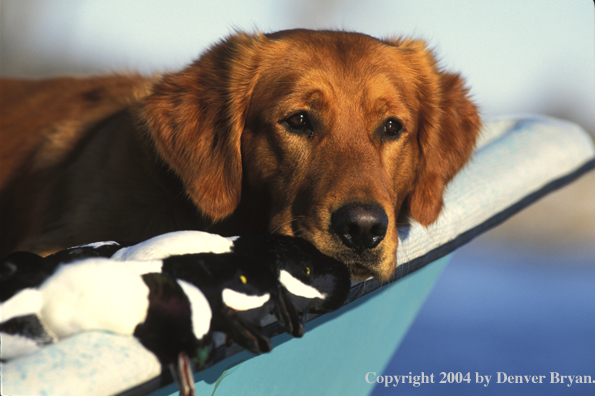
x=127 y=158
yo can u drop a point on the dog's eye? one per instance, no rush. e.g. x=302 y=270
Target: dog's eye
x=393 y=128
x=300 y=123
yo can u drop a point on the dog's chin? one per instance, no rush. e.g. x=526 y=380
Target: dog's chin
x=359 y=273
x=362 y=267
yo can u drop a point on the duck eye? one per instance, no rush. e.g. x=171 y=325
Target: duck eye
x=393 y=128
x=299 y=123
x=243 y=279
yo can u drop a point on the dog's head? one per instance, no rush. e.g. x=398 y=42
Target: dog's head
x=327 y=135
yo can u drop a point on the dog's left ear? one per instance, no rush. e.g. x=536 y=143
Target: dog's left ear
x=448 y=126
x=195 y=119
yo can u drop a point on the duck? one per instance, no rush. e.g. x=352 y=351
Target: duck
x=175 y=243
x=241 y=296
x=20 y=269
x=172 y=306
x=170 y=297
x=170 y=317
x=309 y=281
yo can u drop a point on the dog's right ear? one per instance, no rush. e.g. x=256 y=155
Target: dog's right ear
x=195 y=119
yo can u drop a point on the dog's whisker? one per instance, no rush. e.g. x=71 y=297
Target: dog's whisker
x=300 y=232
x=288 y=222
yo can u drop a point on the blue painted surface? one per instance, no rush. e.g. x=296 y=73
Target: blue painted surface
x=336 y=352
x=508 y=309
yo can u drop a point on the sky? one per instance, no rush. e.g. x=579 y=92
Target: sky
x=530 y=56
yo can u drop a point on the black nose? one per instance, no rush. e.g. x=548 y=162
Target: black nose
x=360 y=226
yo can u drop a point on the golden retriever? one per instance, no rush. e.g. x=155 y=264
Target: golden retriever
x=327 y=135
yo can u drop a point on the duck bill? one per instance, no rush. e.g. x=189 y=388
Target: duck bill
x=181 y=370
x=246 y=335
x=286 y=315
x=293 y=321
